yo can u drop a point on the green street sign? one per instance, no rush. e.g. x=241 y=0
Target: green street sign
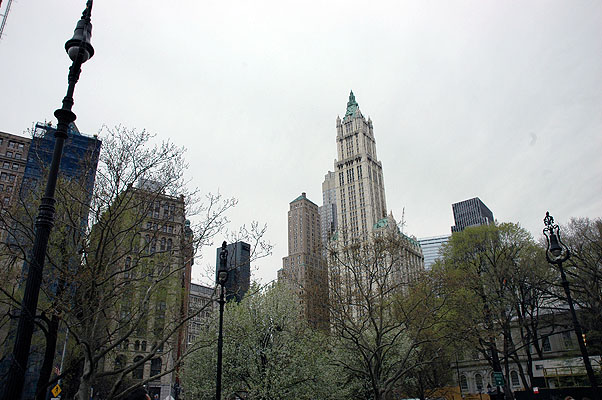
x=499 y=378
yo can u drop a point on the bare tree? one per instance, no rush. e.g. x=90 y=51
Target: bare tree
x=378 y=326
x=118 y=281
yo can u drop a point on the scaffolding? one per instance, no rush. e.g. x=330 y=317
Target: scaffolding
x=4 y=16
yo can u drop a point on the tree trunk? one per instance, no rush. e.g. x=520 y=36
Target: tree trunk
x=83 y=392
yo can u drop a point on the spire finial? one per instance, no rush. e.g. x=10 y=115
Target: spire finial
x=352 y=105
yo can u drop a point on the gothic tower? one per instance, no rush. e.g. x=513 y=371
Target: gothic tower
x=360 y=185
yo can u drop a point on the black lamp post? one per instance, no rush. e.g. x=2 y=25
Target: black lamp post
x=222 y=277
x=557 y=253
x=79 y=50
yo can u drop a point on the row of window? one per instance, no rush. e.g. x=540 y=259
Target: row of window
x=164 y=228
x=480 y=385
x=154 y=210
x=164 y=244
x=17 y=156
x=7 y=165
x=13 y=145
x=7 y=177
x=138 y=372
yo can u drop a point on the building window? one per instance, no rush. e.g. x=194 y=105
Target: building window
x=21 y=146
x=169 y=244
x=137 y=345
x=11 y=144
x=9 y=154
x=567 y=339
x=18 y=156
x=11 y=178
x=163 y=240
x=120 y=362
x=479 y=381
x=545 y=344
x=155 y=366
x=138 y=372
x=15 y=167
x=463 y=383
x=6 y=165
x=514 y=379
x=143 y=345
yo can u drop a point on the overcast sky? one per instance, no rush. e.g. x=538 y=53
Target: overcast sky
x=496 y=99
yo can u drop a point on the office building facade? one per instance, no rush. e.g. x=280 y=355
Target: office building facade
x=328 y=210
x=201 y=302
x=304 y=268
x=431 y=249
x=471 y=212
x=239 y=269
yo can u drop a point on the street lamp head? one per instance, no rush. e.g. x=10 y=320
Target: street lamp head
x=222 y=272
x=79 y=45
x=556 y=248
x=222 y=277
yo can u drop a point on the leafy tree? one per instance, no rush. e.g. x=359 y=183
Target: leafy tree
x=114 y=277
x=268 y=352
x=495 y=275
x=377 y=326
x=583 y=236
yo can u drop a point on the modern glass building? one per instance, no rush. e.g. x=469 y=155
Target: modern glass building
x=471 y=212
x=431 y=249
x=239 y=269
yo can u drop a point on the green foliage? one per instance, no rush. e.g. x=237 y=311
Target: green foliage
x=584 y=269
x=268 y=352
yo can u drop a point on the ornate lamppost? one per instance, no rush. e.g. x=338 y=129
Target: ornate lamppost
x=557 y=253
x=222 y=278
x=79 y=50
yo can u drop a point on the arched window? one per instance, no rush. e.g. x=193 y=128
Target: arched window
x=169 y=244
x=479 y=381
x=120 y=362
x=163 y=244
x=155 y=366
x=138 y=372
x=514 y=378
x=137 y=345
x=463 y=383
x=144 y=345
x=153 y=247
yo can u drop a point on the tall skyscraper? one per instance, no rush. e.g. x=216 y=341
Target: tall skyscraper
x=431 y=249
x=13 y=157
x=79 y=161
x=360 y=189
x=328 y=210
x=470 y=212
x=239 y=269
x=304 y=269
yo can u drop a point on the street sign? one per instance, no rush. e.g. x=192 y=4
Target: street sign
x=56 y=390
x=499 y=378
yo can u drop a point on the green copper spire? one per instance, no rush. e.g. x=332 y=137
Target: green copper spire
x=351 y=105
